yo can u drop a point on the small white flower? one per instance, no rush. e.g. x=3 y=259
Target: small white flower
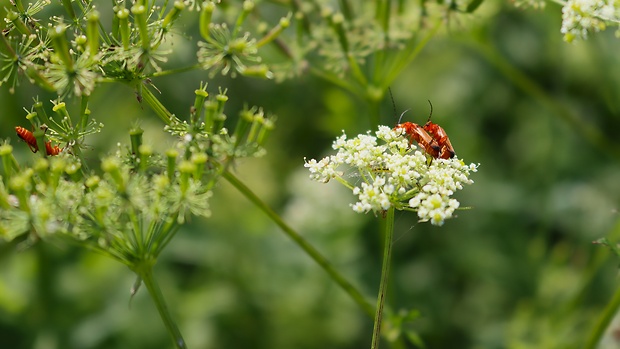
x=414 y=202
x=580 y=17
x=387 y=171
x=323 y=170
x=13 y=200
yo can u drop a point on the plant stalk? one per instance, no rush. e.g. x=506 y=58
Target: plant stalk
x=385 y=272
x=603 y=322
x=589 y=132
x=146 y=273
x=303 y=243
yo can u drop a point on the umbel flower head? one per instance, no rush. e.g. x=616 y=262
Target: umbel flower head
x=386 y=171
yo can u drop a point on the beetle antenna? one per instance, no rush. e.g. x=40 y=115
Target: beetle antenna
x=401 y=116
x=393 y=104
x=431 y=114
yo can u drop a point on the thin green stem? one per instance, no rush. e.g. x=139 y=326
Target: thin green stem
x=603 y=322
x=342 y=83
x=407 y=55
x=176 y=70
x=156 y=105
x=303 y=243
x=385 y=273
x=600 y=256
x=589 y=132
x=346 y=9
x=145 y=271
x=356 y=70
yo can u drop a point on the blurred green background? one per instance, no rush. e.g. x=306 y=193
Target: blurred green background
x=518 y=270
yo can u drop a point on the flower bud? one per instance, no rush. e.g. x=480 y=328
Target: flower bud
x=186 y=168
x=73 y=170
x=41 y=167
x=245 y=120
x=199 y=159
x=268 y=126
x=219 y=117
x=145 y=152
x=123 y=16
x=61 y=46
x=259 y=71
x=21 y=185
x=92 y=33
x=284 y=23
x=111 y=166
x=172 y=156
x=199 y=101
x=61 y=110
x=160 y=184
x=80 y=40
x=248 y=6
x=92 y=182
x=139 y=12
x=9 y=163
x=257 y=122
x=57 y=170
x=205 y=19
x=135 y=134
x=210 y=111
x=173 y=14
x=41 y=113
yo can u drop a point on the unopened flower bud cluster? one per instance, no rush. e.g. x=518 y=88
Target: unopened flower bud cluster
x=384 y=170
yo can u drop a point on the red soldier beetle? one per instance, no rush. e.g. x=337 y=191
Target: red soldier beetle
x=440 y=136
x=29 y=138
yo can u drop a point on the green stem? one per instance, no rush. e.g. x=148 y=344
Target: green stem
x=334 y=79
x=589 y=132
x=145 y=271
x=600 y=256
x=346 y=9
x=176 y=70
x=156 y=105
x=407 y=55
x=385 y=272
x=301 y=242
x=603 y=322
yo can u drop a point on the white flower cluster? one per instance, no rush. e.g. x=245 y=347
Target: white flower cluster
x=387 y=171
x=582 y=16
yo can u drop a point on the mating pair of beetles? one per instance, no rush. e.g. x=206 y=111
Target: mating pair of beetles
x=29 y=138
x=431 y=137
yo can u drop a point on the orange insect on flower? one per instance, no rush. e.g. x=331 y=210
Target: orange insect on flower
x=417 y=133
x=29 y=138
x=432 y=137
x=440 y=135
